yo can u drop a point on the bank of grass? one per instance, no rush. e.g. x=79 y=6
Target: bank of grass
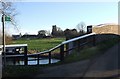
x=40 y=44
x=22 y=71
x=97 y=50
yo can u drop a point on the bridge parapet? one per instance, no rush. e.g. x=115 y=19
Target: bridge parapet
x=106 y=29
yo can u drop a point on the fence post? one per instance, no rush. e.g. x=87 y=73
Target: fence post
x=67 y=47
x=94 y=40
x=50 y=57
x=78 y=45
x=25 y=56
x=62 y=52
x=38 y=59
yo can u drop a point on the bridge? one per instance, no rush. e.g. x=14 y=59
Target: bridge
x=72 y=44
x=65 y=48
x=62 y=52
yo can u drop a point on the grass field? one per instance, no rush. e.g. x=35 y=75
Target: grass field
x=40 y=44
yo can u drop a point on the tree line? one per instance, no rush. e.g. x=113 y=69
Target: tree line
x=58 y=32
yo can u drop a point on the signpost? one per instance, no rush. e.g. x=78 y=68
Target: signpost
x=3 y=24
x=4 y=18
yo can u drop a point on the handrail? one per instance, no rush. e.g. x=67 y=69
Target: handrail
x=52 y=49
x=90 y=39
x=74 y=39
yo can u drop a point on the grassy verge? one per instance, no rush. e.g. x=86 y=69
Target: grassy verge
x=99 y=49
x=74 y=57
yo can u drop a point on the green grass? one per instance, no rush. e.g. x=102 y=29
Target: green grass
x=97 y=50
x=40 y=44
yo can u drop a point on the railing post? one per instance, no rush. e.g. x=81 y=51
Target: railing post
x=14 y=62
x=62 y=52
x=25 y=56
x=38 y=59
x=49 y=57
x=94 y=40
x=67 y=47
x=78 y=45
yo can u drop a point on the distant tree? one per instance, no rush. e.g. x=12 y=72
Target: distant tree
x=42 y=33
x=26 y=33
x=70 y=33
x=59 y=29
x=81 y=27
x=60 y=32
x=74 y=32
x=67 y=33
x=48 y=33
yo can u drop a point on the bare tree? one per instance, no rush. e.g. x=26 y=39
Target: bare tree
x=81 y=27
x=48 y=33
x=7 y=9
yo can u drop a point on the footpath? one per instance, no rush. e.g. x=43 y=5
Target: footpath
x=106 y=65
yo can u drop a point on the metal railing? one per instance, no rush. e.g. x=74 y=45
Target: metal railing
x=64 y=47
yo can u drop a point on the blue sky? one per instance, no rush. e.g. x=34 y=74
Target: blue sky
x=35 y=16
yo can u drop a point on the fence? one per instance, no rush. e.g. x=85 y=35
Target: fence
x=65 y=48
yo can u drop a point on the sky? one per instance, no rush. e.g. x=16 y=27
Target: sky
x=35 y=16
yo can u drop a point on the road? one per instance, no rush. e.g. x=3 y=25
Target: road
x=106 y=65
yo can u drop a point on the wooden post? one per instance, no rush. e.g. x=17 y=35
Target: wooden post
x=94 y=40
x=62 y=52
x=49 y=57
x=78 y=45
x=71 y=45
x=67 y=47
x=25 y=56
x=14 y=61
x=38 y=59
